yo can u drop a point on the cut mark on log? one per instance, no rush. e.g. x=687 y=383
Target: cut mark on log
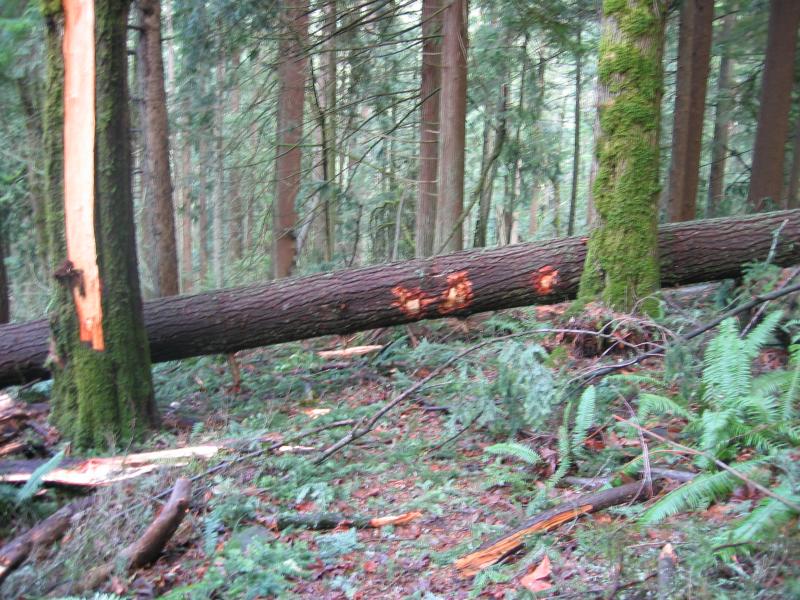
x=544 y=280
x=458 y=294
x=79 y=130
x=411 y=302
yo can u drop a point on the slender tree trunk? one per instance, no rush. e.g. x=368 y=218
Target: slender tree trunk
x=5 y=304
x=576 y=147
x=622 y=256
x=719 y=145
x=235 y=222
x=202 y=208
x=493 y=146
x=33 y=128
x=452 y=117
x=766 y=180
x=511 y=200
x=186 y=213
x=793 y=186
x=146 y=209
x=156 y=133
x=330 y=132
x=533 y=217
x=694 y=54
x=430 y=81
x=218 y=208
x=289 y=124
x=102 y=393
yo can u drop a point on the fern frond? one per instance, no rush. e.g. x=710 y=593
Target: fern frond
x=761 y=522
x=726 y=369
x=697 y=493
x=564 y=457
x=761 y=333
x=654 y=404
x=714 y=427
x=34 y=483
x=584 y=417
x=516 y=450
x=789 y=398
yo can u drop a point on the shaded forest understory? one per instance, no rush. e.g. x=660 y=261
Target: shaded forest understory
x=455 y=463
x=283 y=299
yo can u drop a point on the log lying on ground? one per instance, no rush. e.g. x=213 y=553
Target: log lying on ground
x=457 y=284
x=147 y=548
x=15 y=552
x=492 y=552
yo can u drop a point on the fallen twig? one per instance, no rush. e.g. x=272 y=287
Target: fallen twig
x=334 y=520
x=15 y=552
x=494 y=551
x=147 y=548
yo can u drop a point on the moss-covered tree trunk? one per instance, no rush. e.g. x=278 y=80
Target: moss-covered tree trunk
x=99 y=397
x=622 y=262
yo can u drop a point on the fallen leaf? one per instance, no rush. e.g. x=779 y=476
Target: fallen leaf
x=534 y=581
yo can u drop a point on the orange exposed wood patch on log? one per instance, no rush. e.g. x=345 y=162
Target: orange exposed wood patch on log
x=458 y=294
x=79 y=130
x=544 y=279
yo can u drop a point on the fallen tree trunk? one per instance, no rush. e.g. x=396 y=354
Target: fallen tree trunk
x=457 y=284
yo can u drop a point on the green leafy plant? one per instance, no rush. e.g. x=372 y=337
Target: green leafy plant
x=740 y=419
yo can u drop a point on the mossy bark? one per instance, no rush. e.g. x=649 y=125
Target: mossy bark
x=622 y=262
x=103 y=397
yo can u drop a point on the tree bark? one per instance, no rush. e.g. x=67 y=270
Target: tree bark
x=452 y=120
x=694 y=54
x=156 y=133
x=5 y=305
x=289 y=124
x=430 y=81
x=576 y=145
x=627 y=184
x=101 y=393
x=766 y=180
x=187 y=270
x=33 y=127
x=493 y=146
x=202 y=208
x=218 y=207
x=459 y=284
x=719 y=146
x=793 y=185
x=236 y=220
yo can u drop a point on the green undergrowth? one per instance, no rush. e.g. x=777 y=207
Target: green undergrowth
x=481 y=448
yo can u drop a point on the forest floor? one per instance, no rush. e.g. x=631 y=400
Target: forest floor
x=427 y=456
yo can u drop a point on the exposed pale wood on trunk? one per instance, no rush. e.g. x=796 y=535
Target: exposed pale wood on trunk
x=81 y=272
